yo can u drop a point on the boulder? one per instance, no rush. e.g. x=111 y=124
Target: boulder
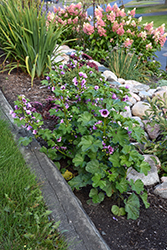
x=164 y=179
x=160 y=93
x=151 y=178
x=139 y=109
x=110 y=75
x=121 y=80
x=139 y=121
x=154 y=131
x=144 y=94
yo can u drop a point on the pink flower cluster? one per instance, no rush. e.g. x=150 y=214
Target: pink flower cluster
x=69 y=15
x=113 y=25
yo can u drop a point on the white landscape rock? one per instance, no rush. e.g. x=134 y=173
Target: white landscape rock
x=132 y=100
x=144 y=94
x=135 y=96
x=110 y=75
x=139 y=109
x=127 y=113
x=161 y=190
x=164 y=179
x=151 y=178
x=121 y=80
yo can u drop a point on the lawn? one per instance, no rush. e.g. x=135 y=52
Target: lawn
x=158 y=20
x=24 y=216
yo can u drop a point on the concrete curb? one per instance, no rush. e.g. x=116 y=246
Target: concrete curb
x=81 y=233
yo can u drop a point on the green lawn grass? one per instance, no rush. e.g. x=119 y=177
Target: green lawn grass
x=158 y=20
x=143 y=3
x=23 y=215
x=151 y=9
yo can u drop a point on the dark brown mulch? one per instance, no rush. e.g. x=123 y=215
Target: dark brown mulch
x=149 y=232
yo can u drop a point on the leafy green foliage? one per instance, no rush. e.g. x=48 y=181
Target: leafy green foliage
x=132 y=206
x=92 y=133
x=118 y=211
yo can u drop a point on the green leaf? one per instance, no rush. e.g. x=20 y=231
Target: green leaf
x=25 y=140
x=96 y=197
x=122 y=186
x=88 y=142
x=92 y=166
x=118 y=211
x=115 y=159
x=113 y=175
x=108 y=188
x=134 y=156
x=78 y=160
x=57 y=165
x=126 y=149
x=86 y=119
x=120 y=136
x=144 y=199
x=96 y=145
x=97 y=182
x=80 y=180
x=144 y=167
x=138 y=186
x=132 y=207
x=125 y=160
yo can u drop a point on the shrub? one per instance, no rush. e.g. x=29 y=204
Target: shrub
x=112 y=26
x=92 y=134
x=25 y=38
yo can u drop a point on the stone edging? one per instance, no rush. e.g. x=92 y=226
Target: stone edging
x=81 y=233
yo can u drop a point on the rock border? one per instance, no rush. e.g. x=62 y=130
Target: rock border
x=75 y=224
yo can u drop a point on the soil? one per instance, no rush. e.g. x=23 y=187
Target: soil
x=148 y=232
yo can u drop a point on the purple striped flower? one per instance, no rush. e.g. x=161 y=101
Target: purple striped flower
x=114 y=96
x=104 y=112
x=96 y=87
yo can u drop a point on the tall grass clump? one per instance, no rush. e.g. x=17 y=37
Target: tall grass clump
x=24 y=217
x=126 y=64
x=25 y=38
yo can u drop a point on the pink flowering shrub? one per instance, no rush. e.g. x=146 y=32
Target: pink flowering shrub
x=112 y=26
x=74 y=18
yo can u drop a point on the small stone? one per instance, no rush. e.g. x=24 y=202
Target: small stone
x=154 y=131
x=161 y=190
x=103 y=233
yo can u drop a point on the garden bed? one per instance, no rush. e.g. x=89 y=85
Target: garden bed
x=147 y=232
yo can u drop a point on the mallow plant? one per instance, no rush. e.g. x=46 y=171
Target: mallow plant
x=93 y=136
